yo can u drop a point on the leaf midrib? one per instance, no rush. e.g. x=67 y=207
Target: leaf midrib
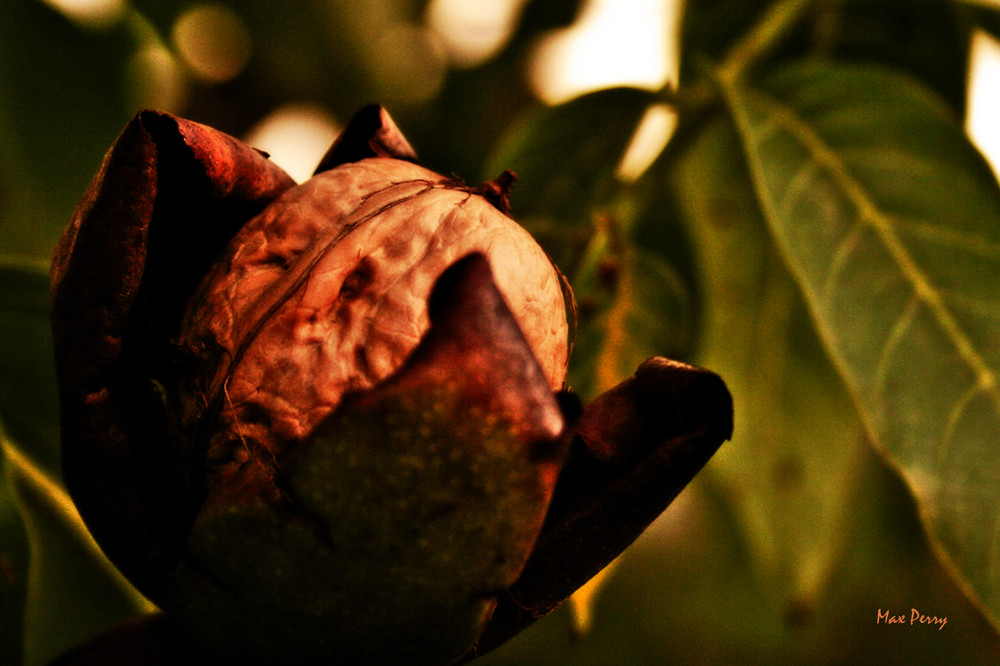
x=870 y=215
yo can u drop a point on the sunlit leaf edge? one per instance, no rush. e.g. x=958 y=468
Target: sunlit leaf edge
x=36 y=492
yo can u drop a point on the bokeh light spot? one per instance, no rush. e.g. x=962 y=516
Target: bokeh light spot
x=984 y=97
x=472 y=33
x=213 y=41
x=614 y=42
x=650 y=138
x=296 y=136
x=155 y=80
x=96 y=14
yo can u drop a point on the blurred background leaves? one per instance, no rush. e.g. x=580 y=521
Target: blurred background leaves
x=661 y=200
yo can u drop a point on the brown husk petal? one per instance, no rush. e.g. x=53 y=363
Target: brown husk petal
x=370 y=133
x=167 y=198
x=638 y=446
x=404 y=513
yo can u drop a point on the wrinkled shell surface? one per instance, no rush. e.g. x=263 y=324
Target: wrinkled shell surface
x=326 y=292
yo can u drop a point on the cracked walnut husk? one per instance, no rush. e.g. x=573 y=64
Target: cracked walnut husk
x=328 y=421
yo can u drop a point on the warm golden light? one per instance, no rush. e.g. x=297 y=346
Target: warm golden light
x=295 y=136
x=213 y=41
x=472 y=33
x=96 y=14
x=155 y=80
x=651 y=137
x=984 y=97
x=615 y=42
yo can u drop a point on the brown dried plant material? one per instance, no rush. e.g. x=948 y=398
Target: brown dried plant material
x=637 y=447
x=325 y=421
x=326 y=292
x=402 y=516
x=169 y=195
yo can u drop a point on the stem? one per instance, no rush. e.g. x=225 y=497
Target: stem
x=762 y=38
x=696 y=101
x=778 y=20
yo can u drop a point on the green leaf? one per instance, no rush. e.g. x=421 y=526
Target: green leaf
x=790 y=472
x=565 y=158
x=65 y=589
x=62 y=105
x=890 y=221
x=631 y=305
x=27 y=407
x=28 y=402
x=73 y=591
x=927 y=38
x=709 y=29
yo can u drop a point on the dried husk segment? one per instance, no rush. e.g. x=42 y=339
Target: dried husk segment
x=118 y=291
x=404 y=514
x=325 y=418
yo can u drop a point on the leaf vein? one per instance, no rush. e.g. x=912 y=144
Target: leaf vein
x=883 y=225
x=954 y=417
x=976 y=305
x=798 y=186
x=896 y=336
x=840 y=256
x=953 y=238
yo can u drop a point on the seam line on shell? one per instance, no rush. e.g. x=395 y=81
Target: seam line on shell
x=214 y=393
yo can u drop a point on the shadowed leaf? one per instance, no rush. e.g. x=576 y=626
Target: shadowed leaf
x=28 y=411
x=73 y=591
x=890 y=222
x=790 y=474
x=926 y=38
x=565 y=159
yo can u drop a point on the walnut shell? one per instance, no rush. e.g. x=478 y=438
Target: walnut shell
x=325 y=292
